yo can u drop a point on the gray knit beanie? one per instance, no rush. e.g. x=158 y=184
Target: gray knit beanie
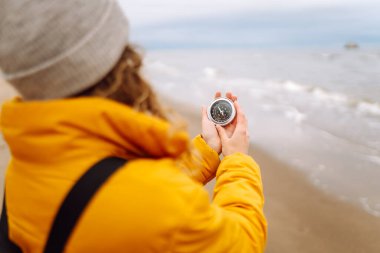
x=57 y=48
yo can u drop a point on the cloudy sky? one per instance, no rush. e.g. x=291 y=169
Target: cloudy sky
x=252 y=23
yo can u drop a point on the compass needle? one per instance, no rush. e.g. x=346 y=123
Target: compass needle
x=221 y=111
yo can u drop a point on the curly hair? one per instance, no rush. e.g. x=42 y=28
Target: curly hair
x=125 y=84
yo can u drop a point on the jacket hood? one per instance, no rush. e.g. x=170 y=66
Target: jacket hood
x=68 y=128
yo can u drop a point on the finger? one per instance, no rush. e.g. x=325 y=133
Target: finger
x=229 y=95
x=203 y=110
x=205 y=118
x=241 y=131
x=204 y=114
x=218 y=94
x=222 y=133
x=230 y=128
x=241 y=119
x=234 y=122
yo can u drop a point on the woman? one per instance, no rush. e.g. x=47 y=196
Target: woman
x=83 y=99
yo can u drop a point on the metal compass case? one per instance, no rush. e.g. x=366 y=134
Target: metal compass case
x=221 y=111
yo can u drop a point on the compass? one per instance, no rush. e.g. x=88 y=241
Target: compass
x=221 y=111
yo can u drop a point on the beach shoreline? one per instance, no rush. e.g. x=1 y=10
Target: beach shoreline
x=301 y=217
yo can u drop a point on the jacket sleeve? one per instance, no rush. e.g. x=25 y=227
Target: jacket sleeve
x=235 y=221
x=202 y=162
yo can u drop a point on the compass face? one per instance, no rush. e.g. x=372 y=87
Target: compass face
x=221 y=111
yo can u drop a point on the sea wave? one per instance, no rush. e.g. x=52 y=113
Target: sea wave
x=294 y=87
x=295 y=115
x=318 y=92
x=323 y=94
x=363 y=106
x=364 y=201
x=162 y=68
x=369 y=108
x=374 y=159
x=212 y=74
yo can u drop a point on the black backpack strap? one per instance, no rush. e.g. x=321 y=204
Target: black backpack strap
x=77 y=200
x=6 y=245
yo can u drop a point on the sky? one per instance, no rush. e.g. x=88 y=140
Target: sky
x=159 y=24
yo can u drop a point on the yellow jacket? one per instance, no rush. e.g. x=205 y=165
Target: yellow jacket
x=150 y=205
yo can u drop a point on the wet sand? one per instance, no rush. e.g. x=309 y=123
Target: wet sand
x=301 y=218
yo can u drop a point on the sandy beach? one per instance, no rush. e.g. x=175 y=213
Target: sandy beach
x=301 y=217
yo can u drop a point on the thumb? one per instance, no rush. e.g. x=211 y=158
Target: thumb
x=222 y=133
x=204 y=113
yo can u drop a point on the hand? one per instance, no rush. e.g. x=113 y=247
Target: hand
x=239 y=140
x=209 y=132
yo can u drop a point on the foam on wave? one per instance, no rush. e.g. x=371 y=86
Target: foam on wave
x=360 y=105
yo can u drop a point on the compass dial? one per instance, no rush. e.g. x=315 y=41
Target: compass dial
x=222 y=111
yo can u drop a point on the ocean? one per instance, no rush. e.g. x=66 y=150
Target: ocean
x=316 y=110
